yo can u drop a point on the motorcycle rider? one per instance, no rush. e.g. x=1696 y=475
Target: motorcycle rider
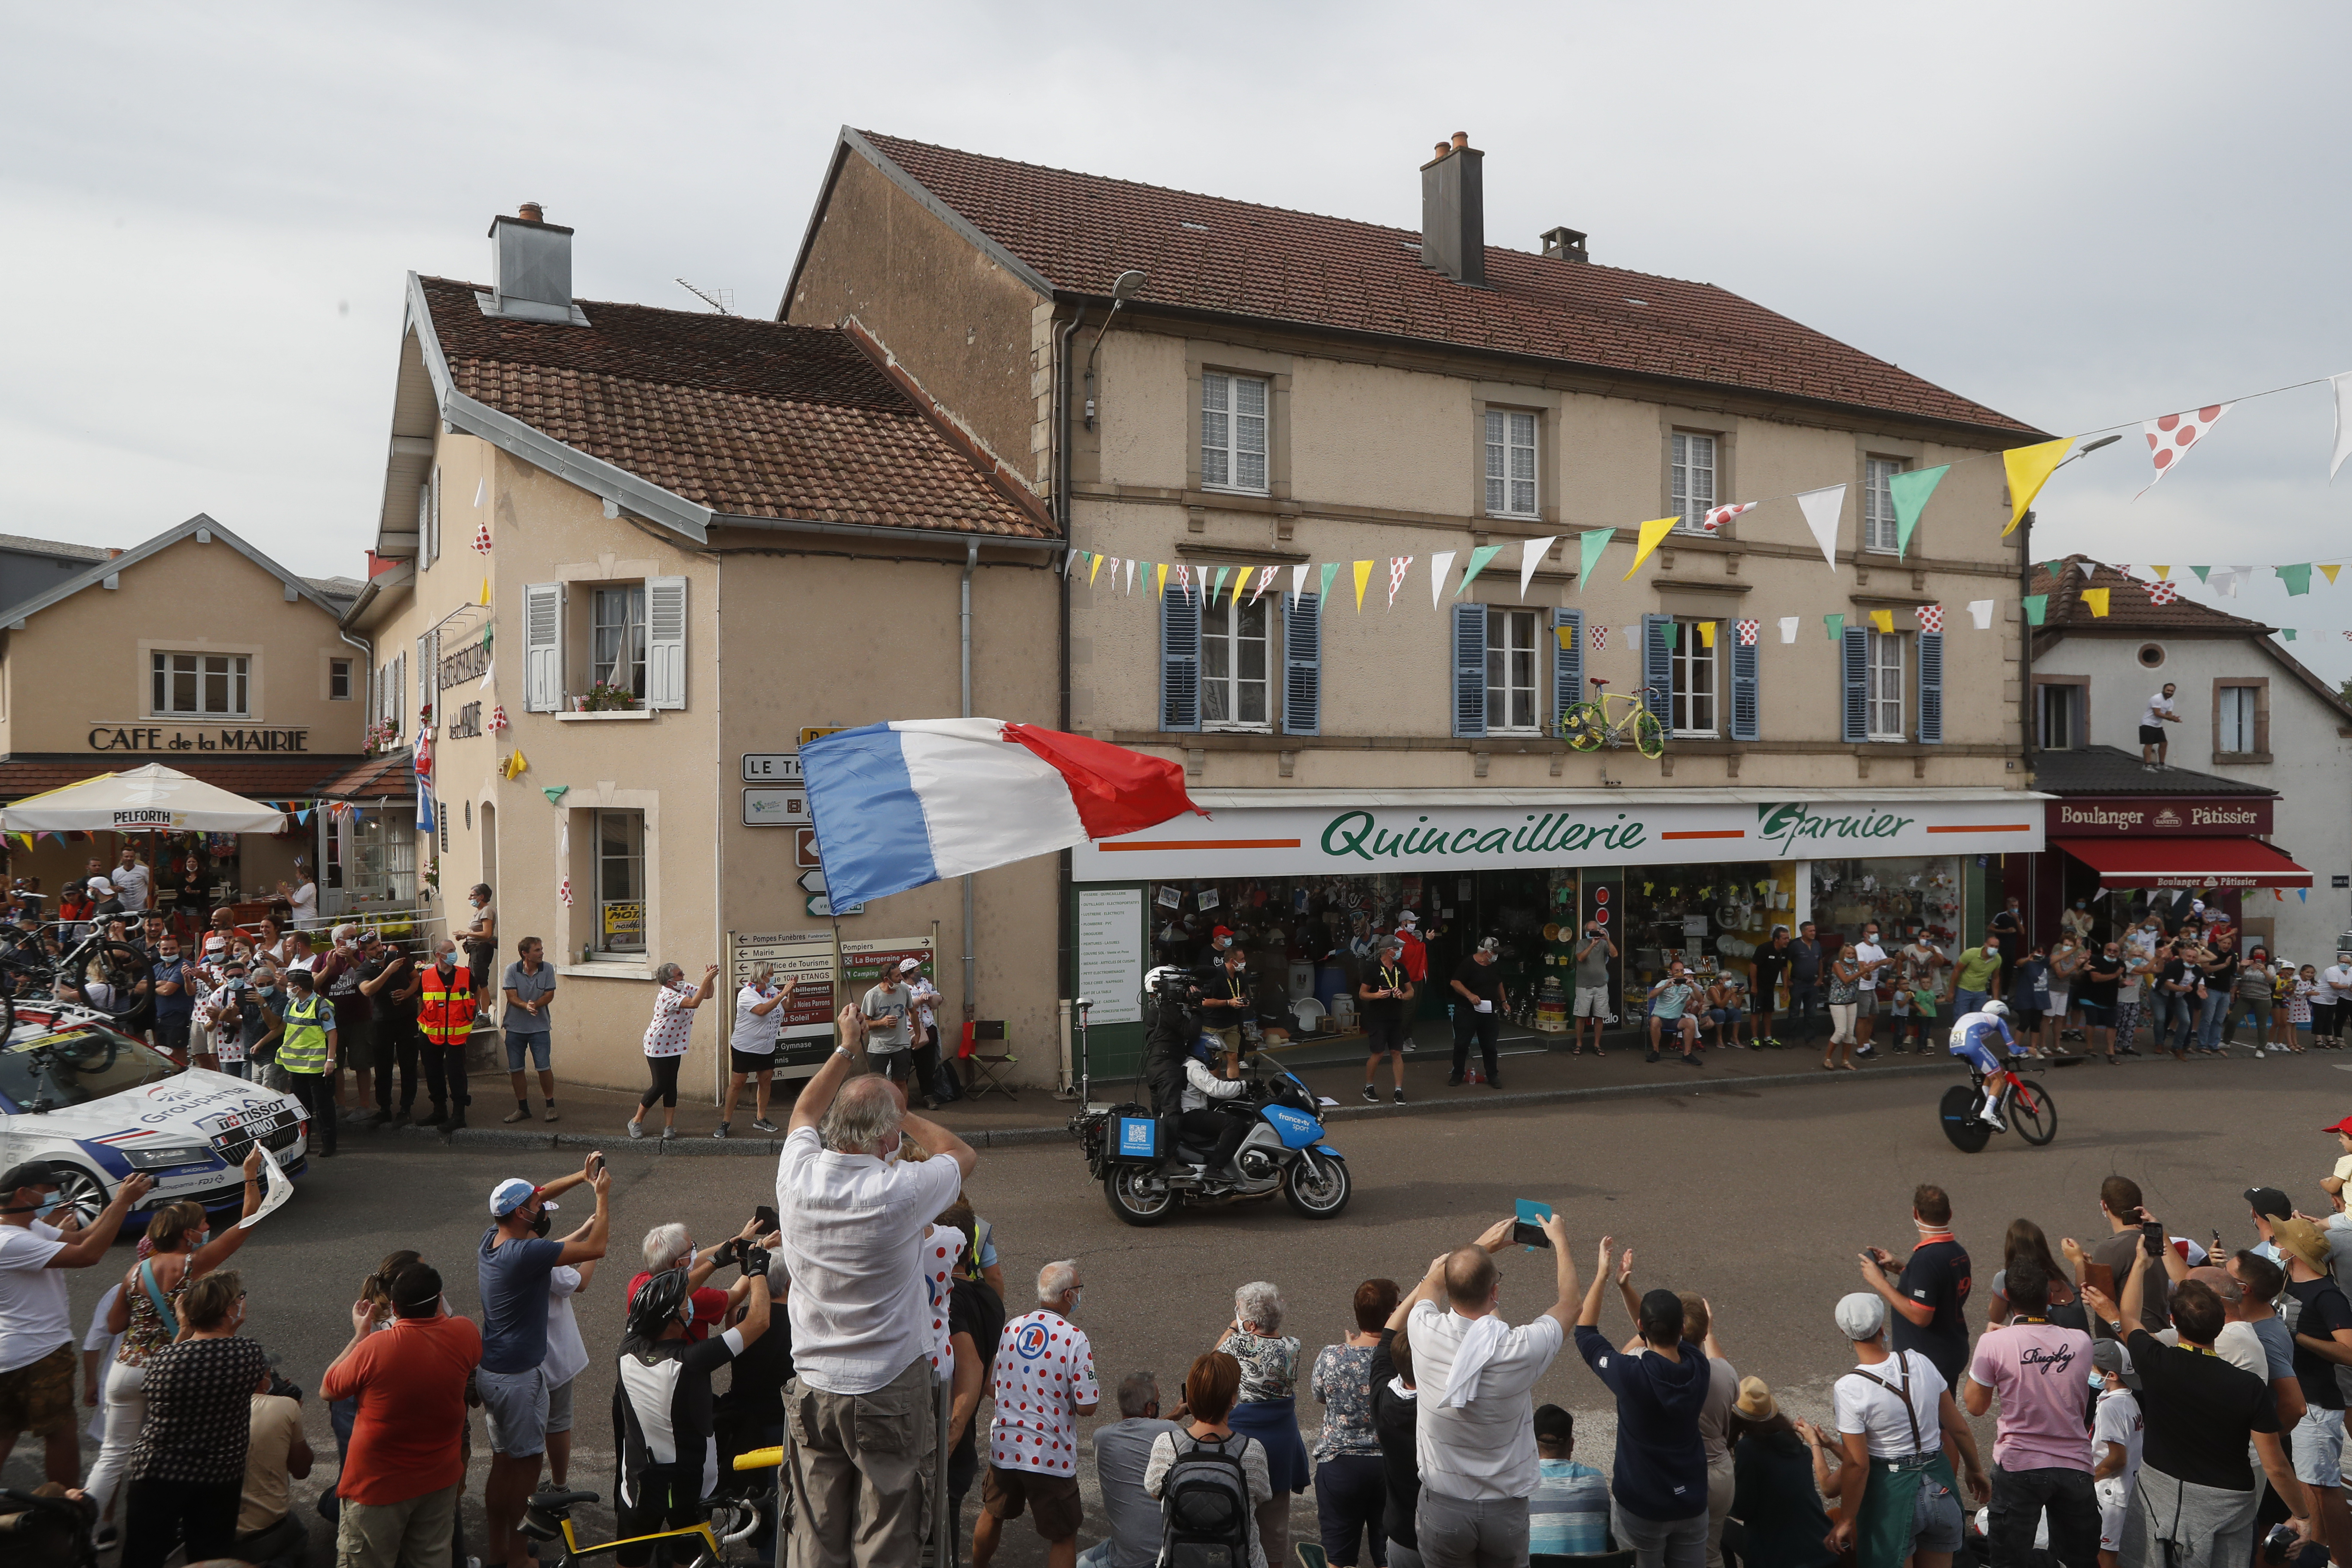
x=1167 y=1044
x=1201 y=1121
x=1972 y=1035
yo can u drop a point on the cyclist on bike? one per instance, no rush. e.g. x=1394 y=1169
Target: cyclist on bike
x=1973 y=1037
x=662 y=1415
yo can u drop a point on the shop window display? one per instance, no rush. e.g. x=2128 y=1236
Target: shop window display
x=1902 y=895
x=1712 y=917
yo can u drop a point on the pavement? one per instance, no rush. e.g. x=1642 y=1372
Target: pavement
x=1756 y=1193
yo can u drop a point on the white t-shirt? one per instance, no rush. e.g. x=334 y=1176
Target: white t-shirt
x=756 y=1032
x=2159 y=709
x=1866 y=1407
x=2116 y=1419
x=1871 y=956
x=1045 y=1371
x=567 y=1353
x=852 y=1233
x=36 y=1317
x=2237 y=1344
x=2335 y=983
x=304 y=904
x=1484 y=1450
x=131 y=885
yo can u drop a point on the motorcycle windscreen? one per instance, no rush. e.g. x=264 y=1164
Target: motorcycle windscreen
x=1296 y=1130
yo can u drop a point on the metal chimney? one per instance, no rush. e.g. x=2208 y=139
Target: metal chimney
x=531 y=269
x=1454 y=211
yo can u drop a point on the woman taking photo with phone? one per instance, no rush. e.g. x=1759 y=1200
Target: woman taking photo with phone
x=1845 y=988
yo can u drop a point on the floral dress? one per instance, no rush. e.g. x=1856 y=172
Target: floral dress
x=1269 y=1366
x=1342 y=1380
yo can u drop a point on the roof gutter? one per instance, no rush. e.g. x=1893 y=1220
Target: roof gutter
x=874 y=531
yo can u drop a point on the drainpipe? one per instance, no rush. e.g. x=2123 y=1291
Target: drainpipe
x=1064 y=977
x=971 y=560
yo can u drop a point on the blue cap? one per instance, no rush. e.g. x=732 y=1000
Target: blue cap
x=510 y=1195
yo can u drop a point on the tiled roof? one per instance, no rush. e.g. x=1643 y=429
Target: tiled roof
x=2128 y=606
x=1238 y=258
x=747 y=418
x=336 y=587
x=392 y=774
x=2105 y=770
x=277 y=780
x=55 y=547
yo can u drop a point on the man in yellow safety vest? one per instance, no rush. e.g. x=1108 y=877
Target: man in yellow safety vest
x=305 y=1054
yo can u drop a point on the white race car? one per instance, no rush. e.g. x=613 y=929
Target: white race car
x=80 y=1094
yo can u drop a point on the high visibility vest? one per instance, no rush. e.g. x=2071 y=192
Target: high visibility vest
x=303 y=1049
x=445 y=1009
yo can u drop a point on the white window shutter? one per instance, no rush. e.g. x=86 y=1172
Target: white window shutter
x=423 y=673
x=542 y=643
x=665 y=642
x=432 y=520
x=399 y=704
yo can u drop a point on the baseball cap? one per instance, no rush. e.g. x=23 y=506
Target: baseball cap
x=1219 y=933
x=2110 y=1355
x=1408 y=919
x=31 y=1174
x=511 y=1195
x=2301 y=1238
x=1860 y=1315
x=1554 y=1425
x=99 y=885
x=2270 y=1203
x=906 y=964
x=2344 y=1126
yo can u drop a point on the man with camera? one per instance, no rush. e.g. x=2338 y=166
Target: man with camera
x=1595 y=953
x=1225 y=998
x=1385 y=992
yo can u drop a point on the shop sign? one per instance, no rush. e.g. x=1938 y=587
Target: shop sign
x=1279 y=841
x=2208 y=817
x=623 y=925
x=470 y=663
x=178 y=738
x=775 y=808
x=1111 y=953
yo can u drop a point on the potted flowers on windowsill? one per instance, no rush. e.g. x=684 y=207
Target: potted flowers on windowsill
x=383 y=735
x=605 y=698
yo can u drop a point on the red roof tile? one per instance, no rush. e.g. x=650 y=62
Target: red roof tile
x=1238 y=258
x=2127 y=604
x=746 y=417
x=283 y=780
x=392 y=774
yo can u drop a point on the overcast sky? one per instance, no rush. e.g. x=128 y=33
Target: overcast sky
x=2079 y=216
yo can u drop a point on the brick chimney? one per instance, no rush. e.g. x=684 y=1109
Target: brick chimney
x=1453 y=212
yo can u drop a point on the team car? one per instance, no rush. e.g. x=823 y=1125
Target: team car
x=91 y=1100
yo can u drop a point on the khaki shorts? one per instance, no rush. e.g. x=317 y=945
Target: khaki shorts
x=1054 y=1504
x=38 y=1398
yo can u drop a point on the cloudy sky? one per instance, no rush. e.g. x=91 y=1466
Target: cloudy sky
x=2080 y=216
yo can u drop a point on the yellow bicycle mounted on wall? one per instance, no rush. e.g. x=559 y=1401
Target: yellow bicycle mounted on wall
x=1589 y=726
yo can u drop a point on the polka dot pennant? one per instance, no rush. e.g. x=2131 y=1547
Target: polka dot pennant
x=2169 y=437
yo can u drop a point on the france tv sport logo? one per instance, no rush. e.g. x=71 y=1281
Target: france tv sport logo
x=1030 y=1342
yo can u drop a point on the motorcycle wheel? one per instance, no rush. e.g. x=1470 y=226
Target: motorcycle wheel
x=1313 y=1196
x=1130 y=1202
x=1959 y=1111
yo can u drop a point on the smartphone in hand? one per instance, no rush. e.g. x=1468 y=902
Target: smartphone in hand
x=1524 y=1234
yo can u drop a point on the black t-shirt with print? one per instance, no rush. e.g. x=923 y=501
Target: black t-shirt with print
x=2101 y=976
x=1937 y=1276
x=2320 y=1308
x=2199 y=1410
x=1484 y=981
x=1382 y=977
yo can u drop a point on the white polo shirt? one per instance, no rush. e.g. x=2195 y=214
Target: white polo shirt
x=853 y=1236
x=1487 y=1449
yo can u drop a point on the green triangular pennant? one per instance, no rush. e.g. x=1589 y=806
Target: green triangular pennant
x=1836 y=625
x=1478 y=559
x=555 y=797
x=1223 y=573
x=2297 y=578
x=2288 y=631
x=1909 y=493
x=1672 y=632
x=2035 y=605
x=1323 y=594
x=2200 y=572
x=1588 y=545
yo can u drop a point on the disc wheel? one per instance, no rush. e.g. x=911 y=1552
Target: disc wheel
x=1135 y=1202
x=2031 y=1112
x=1959 y=1111
x=1317 y=1191
x=1583 y=728
x=122 y=970
x=1649 y=735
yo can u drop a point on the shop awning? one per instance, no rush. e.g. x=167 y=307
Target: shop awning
x=2154 y=862
x=137 y=800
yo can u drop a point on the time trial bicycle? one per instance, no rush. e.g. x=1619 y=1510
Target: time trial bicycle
x=2024 y=1104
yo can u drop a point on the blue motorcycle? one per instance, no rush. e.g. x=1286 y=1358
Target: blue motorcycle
x=1282 y=1152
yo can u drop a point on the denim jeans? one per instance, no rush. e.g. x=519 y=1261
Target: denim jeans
x=2019 y=1500
x=1967 y=1002
x=1658 y=1543
x=2176 y=1020
x=2209 y=1019
x=1808 y=1009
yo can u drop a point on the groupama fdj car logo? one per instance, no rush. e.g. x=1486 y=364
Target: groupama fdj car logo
x=1030 y=1342
x=1784 y=824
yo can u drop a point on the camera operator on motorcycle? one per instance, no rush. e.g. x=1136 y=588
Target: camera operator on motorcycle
x=1172 y=1001
x=1973 y=1037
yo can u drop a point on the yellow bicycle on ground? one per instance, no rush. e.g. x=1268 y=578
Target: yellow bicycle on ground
x=548 y=1517
x=1589 y=726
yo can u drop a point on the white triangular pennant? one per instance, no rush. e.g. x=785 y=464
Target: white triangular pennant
x=1788 y=628
x=1531 y=552
x=1297 y=582
x=1822 y=509
x=1439 y=565
x=1980 y=612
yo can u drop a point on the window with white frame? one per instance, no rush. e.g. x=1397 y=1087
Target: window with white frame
x=1884 y=692
x=1510 y=671
x=1510 y=463
x=620 y=882
x=1236 y=644
x=2237 y=713
x=1232 y=432
x=1692 y=477
x=1878 y=527
x=618 y=654
x=208 y=685
x=338 y=680
x=1695 y=684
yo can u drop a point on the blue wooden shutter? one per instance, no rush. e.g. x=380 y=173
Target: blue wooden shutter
x=1746 y=714
x=1567 y=663
x=1302 y=666
x=1658 y=668
x=1857 y=684
x=1470 y=669
x=1931 y=688
x=1179 y=661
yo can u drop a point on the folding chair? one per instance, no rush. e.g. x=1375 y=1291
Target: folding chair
x=988 y=1069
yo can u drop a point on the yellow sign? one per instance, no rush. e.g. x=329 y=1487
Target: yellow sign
x=808 y=735
x=624 y=924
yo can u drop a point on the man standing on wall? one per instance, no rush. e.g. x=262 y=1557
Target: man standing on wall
x=2152 y=743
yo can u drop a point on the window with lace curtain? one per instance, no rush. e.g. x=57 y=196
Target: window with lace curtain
x=1232 y=432
x=1510 y=463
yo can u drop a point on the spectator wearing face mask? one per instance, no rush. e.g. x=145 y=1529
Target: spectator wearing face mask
x=186 y=1474
x=390 y=983
x=1480 y=1000
x=403 y=1466
x=307 y=1052
x=338 y=980
x=276 y=1456
x=175 y=1006
x=445 y=1012
x=1122 y=1452
x=36 y=1337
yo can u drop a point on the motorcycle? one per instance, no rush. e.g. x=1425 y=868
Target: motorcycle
x=1283 y=1153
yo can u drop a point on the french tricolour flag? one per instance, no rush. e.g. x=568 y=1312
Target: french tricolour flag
x=920 y=800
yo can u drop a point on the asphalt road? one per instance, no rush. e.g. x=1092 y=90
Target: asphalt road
x=1759 y=1200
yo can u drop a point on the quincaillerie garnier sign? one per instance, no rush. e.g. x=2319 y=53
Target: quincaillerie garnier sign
x=1547 y=828
x=2202 y=816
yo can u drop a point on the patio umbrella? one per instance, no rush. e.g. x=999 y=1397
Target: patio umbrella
x=152 y=799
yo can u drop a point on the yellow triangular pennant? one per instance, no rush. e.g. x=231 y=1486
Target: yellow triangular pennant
x=485 y=590
x=2331 y=569
x=1241 y=581
x=1656 y=529
x=1706 y=633
x=1565 y=634
x=2028 y=468
x=2097 y=599
x=516 y=763
x=1883 y=620
x=2163 y=573
x=1159 y=579
x=1363 y=575
x=1094 y=568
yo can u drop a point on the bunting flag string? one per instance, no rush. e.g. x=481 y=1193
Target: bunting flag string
x=1652 y=532
x=1718 y=516
x=1835 y=625
x=2170 y=436
x=1588 y=545
x=1363 y=570
x=1822 y=509
x=1478 y=559
x=2028 y=468
x=1909 y=491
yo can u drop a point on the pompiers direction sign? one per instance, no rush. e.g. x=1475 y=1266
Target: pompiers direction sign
x=1359 y=841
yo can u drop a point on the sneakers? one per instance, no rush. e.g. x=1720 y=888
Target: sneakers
x=636 y=1128
x=722 y=1130
x=763 y=1125
x=1409 y=1046
x=1866 y=1052
x=1454 y=1082
x=1371 y=1095
x=520 y=1113
x=669 y=1135
x=1400 y=1096
x=1649 y=1057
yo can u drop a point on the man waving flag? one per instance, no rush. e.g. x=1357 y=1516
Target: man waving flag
x=920 y=800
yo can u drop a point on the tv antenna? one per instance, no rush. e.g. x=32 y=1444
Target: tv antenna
x=721 y=300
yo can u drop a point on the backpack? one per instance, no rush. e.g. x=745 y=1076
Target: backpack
x=1205 y=1507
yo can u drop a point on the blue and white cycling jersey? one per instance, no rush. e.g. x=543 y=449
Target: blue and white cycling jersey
x=1972 y=1037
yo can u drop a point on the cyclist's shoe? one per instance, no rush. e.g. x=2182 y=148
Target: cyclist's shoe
x=1991 y=1119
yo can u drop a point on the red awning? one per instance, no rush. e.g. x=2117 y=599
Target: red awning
x=2185 y=862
